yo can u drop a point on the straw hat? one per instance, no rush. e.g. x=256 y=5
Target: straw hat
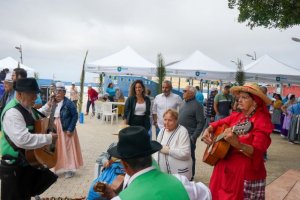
x=252 y=88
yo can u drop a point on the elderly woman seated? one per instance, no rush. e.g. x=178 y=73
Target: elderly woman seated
x=175 y=156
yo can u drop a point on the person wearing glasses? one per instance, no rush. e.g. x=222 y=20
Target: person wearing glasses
x=69 y=157
x=191 y=116
x=162 y=103
x=242 y=173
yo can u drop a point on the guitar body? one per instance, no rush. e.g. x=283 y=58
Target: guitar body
x=218 y=150
x=219 y=147
x=45 y=156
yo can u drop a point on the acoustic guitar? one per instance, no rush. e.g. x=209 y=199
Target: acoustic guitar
x=116 y=185
x=46 y=156
x=219 y=147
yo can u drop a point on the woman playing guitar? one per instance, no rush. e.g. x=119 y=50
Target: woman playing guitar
x=241 y=174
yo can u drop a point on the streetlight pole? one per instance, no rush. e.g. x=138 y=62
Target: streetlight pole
x=296 y=39
x=21 y=53
x=234 y=62
x=253 y=57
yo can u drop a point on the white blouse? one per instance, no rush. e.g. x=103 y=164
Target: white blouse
x=140 y=109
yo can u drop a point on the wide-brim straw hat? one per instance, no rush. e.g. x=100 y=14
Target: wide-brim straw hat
x=251 y=88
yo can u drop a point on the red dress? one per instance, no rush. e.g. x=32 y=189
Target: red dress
x=229 y=174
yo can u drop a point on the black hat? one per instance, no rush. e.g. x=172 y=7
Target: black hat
x=134 y=142
x=27 y=85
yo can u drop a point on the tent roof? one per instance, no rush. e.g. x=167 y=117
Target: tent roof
x=268 y=65
x=200 y=66
x=201 y=62
x=126 y=61
x=268 y=69
x=11 y=64
x=124 y=58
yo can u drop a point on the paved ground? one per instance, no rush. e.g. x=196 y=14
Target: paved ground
x=95 y=138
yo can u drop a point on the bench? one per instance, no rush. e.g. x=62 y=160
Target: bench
x=286 y=187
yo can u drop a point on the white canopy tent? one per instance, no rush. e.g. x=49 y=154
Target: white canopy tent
x=124 y=62
x=268 y=69
x=201 y=66
x=11 y=64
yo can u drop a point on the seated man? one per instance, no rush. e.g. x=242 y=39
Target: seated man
x=196 y=191
x=134 y=149
x=111 y=169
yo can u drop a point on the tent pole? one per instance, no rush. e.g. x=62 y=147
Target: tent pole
x=179 y=84
x=207 y=91
x=201 y=85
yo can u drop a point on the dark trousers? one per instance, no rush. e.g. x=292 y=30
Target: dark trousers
x=88 y=106
x=193 y=149
x=22 y=183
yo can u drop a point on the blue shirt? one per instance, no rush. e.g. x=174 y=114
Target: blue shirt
x=1 y=90
x=200 y=97
x=38 y=99
x=111 y=91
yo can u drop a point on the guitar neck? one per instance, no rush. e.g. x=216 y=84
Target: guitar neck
x=237 y=129
x=222 y=135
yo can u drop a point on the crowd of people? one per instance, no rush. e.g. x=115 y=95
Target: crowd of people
x=285 y=116
x=167 y=164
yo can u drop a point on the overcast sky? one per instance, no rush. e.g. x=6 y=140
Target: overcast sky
x=56 y=34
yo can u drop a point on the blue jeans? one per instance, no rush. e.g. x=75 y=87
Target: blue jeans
x=157 y=129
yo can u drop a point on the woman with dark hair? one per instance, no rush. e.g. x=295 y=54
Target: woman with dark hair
x=111 y=91
x=137 y=106
x=276 y=115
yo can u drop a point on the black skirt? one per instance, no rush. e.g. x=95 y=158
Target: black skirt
x=140 y=120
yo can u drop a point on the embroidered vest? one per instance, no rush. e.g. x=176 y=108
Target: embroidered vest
x=155 y=185
x=5 y=147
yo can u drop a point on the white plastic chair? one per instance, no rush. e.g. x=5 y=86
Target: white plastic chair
x=99 y=109
x=108 y=111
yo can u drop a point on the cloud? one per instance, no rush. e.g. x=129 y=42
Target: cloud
x=55 y=34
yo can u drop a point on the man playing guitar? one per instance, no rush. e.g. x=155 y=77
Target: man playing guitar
x=19 y=180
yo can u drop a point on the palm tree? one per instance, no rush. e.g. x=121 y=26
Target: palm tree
x=82 y=84
x=240 y=74
x=161 y=72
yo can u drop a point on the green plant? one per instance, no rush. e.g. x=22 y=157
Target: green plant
x=160 y=72
x=100 y=85
x=280 y=14
x=240 y=74
x=82 y=84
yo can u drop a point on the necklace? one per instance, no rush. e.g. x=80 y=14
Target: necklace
x=246 y=118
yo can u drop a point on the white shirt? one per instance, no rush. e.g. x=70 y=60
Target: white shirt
x=163 y=103
x=14 y=126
